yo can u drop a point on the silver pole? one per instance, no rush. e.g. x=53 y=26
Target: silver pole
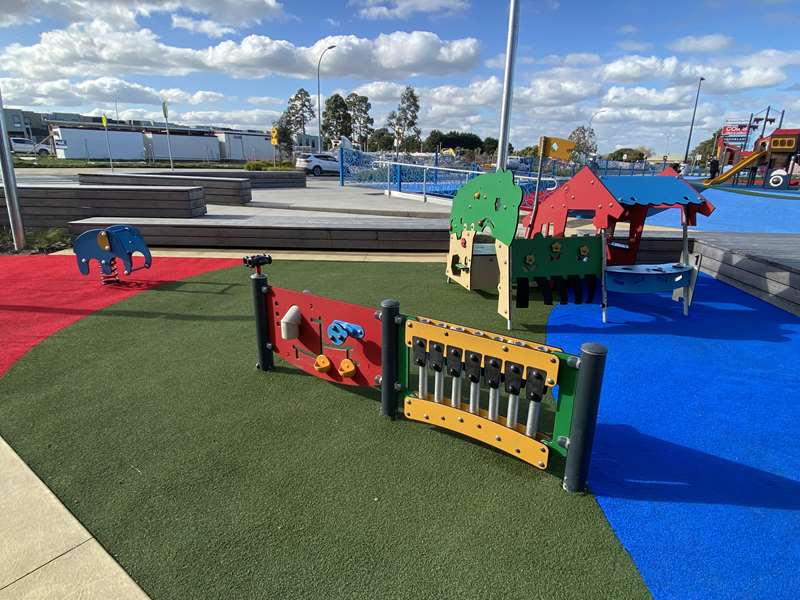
x=685 y=258
x=508 y=83
x=474 y=397
x=108 y=145
x=603 y=293
x=494 y=403
x=438 y=386
x=513 y=411
x=455 y=392
x=319 y=99
x=169 y=146
x=423 y=382
x=532 y=424
x=10 y=184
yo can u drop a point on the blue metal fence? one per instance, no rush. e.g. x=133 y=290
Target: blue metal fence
x=415 y=175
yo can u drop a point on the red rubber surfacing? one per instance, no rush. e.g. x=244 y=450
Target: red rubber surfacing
x=40 y=295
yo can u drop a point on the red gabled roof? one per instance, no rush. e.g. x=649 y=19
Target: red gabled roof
x=785 y=132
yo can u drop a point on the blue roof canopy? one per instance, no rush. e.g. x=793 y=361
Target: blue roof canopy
x=647 y=191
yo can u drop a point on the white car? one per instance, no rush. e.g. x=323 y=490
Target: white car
x=317 y=163
x=26 y=146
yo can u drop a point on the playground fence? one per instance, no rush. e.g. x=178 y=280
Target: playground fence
x=414 y=175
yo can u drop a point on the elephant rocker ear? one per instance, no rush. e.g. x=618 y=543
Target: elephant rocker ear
x=103 y=241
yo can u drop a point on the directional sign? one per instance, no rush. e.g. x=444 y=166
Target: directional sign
x=274 y=136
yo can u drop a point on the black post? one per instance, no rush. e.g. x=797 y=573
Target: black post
x=260 y=286
x=389 y=315
x=691 y=127
x=584 y=416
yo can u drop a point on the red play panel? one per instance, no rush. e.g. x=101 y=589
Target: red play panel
x=40 y=295
x=312 y=341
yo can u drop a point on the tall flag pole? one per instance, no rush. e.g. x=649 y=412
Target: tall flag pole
x=508 y=84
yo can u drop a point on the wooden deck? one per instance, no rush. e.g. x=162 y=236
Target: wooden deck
x=765 y=265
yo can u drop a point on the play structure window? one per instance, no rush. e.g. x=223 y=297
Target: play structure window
x=784 y=143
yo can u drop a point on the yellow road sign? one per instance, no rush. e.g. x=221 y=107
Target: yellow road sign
x=103 y=120
x=274 y=136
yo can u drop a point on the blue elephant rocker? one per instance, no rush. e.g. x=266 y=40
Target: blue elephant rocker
x=106 y=246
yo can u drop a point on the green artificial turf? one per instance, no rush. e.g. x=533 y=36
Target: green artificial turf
x=206 y=478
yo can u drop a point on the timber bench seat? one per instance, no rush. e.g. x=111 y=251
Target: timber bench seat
x=217 y=190
x=258 y=179
x=54 y=205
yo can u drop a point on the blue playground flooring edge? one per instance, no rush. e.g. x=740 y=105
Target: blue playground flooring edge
x=696 y=461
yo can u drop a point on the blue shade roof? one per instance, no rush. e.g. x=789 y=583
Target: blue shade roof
x=630 y=190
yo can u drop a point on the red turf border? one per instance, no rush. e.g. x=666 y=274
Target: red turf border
x=40 y=295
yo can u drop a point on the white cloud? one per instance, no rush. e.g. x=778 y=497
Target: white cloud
x=633 y=46
x=265 y=100
x=63 y=92
x=204 y=26
x=98 y=47
x=229 y=12
x=332 y=22
x=403 y=9
x=670 y=97
x=703 y=43
x=550 y=91
x=651 y=117
x=636 y=68
x=381 y=91
x=573 y=59
x=628 y=29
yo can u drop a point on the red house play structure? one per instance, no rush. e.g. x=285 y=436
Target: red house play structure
x=616 y=199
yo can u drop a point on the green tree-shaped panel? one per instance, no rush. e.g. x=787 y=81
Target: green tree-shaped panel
x=491 y=202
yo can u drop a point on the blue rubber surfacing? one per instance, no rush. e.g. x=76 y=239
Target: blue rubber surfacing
x=696 y=461
x=738 y=212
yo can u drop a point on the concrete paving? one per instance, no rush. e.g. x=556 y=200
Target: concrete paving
x=44 y=551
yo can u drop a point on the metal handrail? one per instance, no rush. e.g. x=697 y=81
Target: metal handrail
x=426 y=168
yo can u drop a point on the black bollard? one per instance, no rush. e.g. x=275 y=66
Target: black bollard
x=390 y=317
x=584 y=416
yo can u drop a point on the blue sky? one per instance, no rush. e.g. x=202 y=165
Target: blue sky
x=633 y=65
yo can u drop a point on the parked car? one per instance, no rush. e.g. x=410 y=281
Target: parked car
x=317 y=163
x=26 y=146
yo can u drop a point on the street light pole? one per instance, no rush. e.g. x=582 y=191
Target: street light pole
x=10 y=184
x=691 y=127
x=319 y=99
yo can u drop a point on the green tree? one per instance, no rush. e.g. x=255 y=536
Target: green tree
x=403 y=121
x=359 y=107
x=530 y=151
x=336 y=119
x=284 y=124
x=381 y=140
x=627 y=154
x=490 y=145
x=706 y=147
x=300 y=111
x=585 y=143
x=433 y=141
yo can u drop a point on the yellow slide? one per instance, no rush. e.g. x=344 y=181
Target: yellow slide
x=742 y=164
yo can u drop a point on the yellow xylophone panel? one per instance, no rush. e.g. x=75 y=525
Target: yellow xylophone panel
x=524 y=352
x=478 y=427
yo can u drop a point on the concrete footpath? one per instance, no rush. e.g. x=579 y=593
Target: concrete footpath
x=45 y=553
